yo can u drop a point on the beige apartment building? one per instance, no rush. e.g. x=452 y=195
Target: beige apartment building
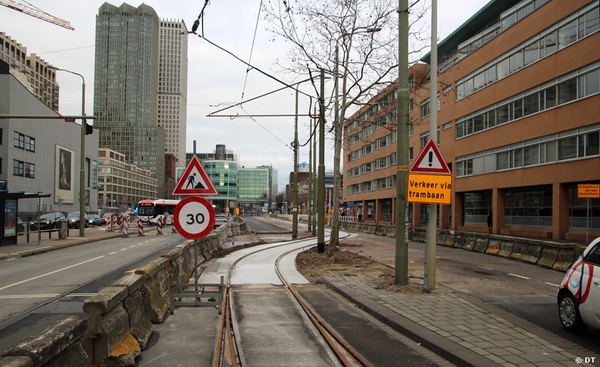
x=518 y=125
x=121 y=183
x=33 y=71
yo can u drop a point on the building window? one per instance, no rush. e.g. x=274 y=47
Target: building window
x=18 y=168
x=477 y=206
x=30 y=143
x=425 y=108
x=578 y=87
x=530 y=207
x=19 y=140
x=29 y=170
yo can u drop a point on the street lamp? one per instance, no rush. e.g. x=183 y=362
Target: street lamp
x=82 y=166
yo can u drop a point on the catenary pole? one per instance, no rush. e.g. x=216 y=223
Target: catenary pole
x=401 y=256
x=321 y=178
x=295 y=186
x=429 y=266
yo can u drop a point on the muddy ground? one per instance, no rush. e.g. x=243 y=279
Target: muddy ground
x=347 y=260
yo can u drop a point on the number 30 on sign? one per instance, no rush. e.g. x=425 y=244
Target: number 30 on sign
x=194 y=217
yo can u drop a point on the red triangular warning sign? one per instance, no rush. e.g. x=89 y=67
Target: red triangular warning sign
x=194 y=180
x=430 y=160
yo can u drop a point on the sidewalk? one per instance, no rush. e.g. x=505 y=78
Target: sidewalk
x=24 y=248
x=459 y=328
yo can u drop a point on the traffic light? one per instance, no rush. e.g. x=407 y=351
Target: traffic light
x=88 y=129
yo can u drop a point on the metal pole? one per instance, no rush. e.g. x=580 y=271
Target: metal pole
x=82 y=166
x=82 y=163
x=310 y=177
x=321 y=179
x=429 y=268
x=401 y=257
x=314 y=181
x=295 y=187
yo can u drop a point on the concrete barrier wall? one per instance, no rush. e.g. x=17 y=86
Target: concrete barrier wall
x=121 y=316
x=553 y=255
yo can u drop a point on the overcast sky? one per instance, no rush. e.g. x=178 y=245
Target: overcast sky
x=214 y=77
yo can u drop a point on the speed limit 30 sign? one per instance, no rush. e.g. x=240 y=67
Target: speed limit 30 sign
x=194 y=217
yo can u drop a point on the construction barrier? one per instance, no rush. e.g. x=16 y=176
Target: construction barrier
x=125 y=227
x=109 y=223
x=159 y=226
x=140 y=227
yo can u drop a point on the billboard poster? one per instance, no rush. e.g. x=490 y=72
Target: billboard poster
x=65 y=167
x=10 y=218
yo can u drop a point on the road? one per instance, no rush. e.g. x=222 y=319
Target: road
x=56 y=283
x=523 y=290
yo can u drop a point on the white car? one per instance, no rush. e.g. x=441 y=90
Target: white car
x=579 y=294
x=153 y=221
x=221 y=219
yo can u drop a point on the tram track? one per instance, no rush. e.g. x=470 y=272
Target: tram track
x=228 y=351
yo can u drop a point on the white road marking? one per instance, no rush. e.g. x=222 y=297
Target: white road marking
x=50 y=273
x=552 y=285
x=28 y=296
x=112 y=253
x=21 y=296
x=518 y=276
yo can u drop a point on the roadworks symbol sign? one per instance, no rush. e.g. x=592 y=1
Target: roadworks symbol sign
x=194 y=180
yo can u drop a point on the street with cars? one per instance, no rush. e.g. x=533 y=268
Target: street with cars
x=523 y=292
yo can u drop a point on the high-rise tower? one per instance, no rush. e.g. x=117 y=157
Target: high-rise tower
x=172 y=86
x=126 y=86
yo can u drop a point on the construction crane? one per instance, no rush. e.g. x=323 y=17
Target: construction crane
x=36 y=13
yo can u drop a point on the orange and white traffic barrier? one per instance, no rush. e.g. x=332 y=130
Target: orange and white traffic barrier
x=125 y=227
x=109 y=224
x=159 y=226
x=140 y=227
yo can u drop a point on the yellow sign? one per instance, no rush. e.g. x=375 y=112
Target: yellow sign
x=588 y=191
x=431 y=189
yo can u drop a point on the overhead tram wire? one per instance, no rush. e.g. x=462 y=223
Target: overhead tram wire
x=251 y=51
x=291 y=86
x=251 y=67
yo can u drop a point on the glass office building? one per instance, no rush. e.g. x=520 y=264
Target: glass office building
x=126 y=86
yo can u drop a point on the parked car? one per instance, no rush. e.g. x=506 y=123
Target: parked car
x=73 y=220
x=94 y=220
x=20 y=226
x=579 y=294
x=220 y=219
x=153 y=221
x=48 y=221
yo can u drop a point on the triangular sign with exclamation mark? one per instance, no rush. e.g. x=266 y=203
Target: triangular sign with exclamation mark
x=430 y=160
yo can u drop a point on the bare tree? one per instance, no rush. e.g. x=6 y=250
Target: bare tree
x=355 y=41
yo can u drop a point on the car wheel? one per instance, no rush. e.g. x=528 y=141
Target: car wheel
x=568 y=312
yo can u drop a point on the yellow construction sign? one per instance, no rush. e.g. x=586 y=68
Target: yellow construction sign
x=588 y=191
x=429 y=189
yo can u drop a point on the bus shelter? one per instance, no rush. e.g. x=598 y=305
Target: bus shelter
x=8 y=222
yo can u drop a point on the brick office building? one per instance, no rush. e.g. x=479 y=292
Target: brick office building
x=518 y=124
